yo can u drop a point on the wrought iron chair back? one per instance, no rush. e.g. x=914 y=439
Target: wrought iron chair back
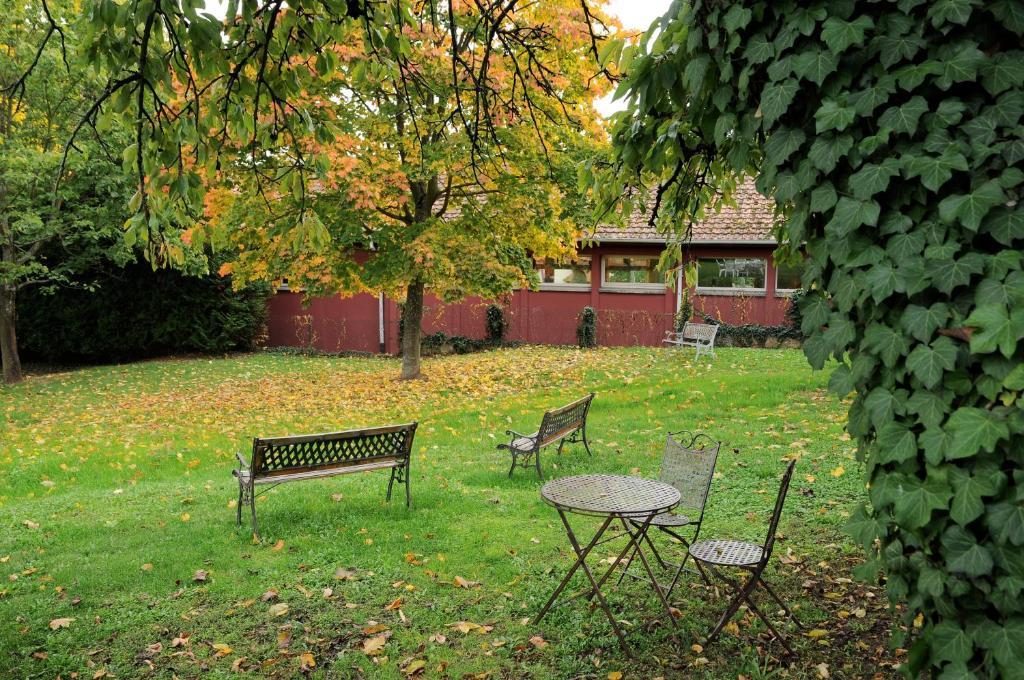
x=285 y=455
x=705 y=332
x=561 y=421
x=689 y=465
x=780 y=500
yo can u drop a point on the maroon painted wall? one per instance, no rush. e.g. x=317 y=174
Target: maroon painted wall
x=546 y=316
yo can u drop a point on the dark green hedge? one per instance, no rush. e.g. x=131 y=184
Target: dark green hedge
x=134 y=312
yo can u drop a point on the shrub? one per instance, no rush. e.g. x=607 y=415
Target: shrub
x=496 y=324
x=586 y=328
x=133 y=312
x=793 y=316
x=685 y=313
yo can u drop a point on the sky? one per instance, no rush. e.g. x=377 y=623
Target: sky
x=634 y=14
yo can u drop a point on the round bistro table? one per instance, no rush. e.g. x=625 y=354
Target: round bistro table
x=632 y=501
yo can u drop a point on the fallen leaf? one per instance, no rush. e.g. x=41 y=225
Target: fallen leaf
x=284 y=637
x=269 y=595
x=64 y=622
x=147 y=567
x=463 y=583
x=306 y=661
x=822 y=669
x=279 y=609
x=395 y=604
x=30 y=524
x=278 y=546
x=181 y=641
x=236 y=665
x=200 y=576
x=817 y=633
x=336 y=497
x=438 y=638
x=615 y=675
x=415 y=666
x=343 y=574
x=373 y=645
x=221 y=649
x=185 y=517
x=538 y=642
x=838 y=472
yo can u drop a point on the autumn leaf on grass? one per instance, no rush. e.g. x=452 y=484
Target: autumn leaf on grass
x=284 y=637
x=817 y=633
x=279 y=609
x=182 y=640
x=615 y=675
x=839 y=471
x=438 y=638
x=306 y=662
x=147 y=567
x=394 y=604
x=30 y=524
x=343 y=574
x=538 y=642
x=463 y=583
x=221 y=649
x=200 y=576
x=61 y=623
x=414 y=667
x=269 y=595
x=236 y=666
x=278 y=546
x=373 y=645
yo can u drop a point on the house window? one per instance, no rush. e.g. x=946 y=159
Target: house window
x=633 y=272
x=554 y=275
x=731 y=275
x=787 y=278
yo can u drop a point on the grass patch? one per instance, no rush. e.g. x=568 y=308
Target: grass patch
x=116 y=489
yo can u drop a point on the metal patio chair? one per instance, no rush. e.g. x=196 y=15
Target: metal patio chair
x=714 y=555
x=688 y=464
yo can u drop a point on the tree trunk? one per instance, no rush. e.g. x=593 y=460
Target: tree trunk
x=8 y=335
x=412 y=330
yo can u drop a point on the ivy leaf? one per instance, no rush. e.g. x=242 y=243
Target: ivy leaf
x=873 y=178
x=1002 y=72
x=815 y=65
x=935 y=170
x=881 y=405
x=775 y=100
x=936 y=443
x=929 y=407
x=839 y=34
x=955 y=11
x=928 y=362
x=832 y=116
x=960 y=65
x=997 y=328
x=970 y=487
x=823 y=197
x=895 y=443
x=949 y=642
x=865 y=528
x=903 y=118
x=948 y=274
x=922 y=322
x=1006 y=522
x=974 y=429
x=1015 y=378
x=882 y=280
x=916 y=500
x=759 y=50
x=851 y=214
x=827 y=150
x=894 y=48
x=782 y=144
x=1005 y=640
x=963 y=553
x=970 y=208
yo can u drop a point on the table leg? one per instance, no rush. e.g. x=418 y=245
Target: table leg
x=581 y=555
x=638 y=538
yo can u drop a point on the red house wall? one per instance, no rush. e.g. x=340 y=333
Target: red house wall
x=545 y=316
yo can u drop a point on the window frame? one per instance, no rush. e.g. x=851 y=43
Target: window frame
x=730 y=291
x=782 y=292
x=613 y=287
x=569 y=287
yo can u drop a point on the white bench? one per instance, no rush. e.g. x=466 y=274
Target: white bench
x=700 y=336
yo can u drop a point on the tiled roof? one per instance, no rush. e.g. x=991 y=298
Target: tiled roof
x=750 y=221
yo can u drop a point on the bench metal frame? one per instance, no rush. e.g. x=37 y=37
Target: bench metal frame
x=700 y=336
x=278 y=460
x=568 y=423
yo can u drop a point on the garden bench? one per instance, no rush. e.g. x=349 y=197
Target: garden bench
x=700 y=336
x=568 y=423
x=313 y=456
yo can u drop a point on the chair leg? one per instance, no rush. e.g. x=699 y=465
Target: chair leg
x=779 y=636
x=252 y=507
x=513 y=467
x=560 y=445
x=238 y=505
x=586 y=444
x=654 y=550
x=734 y=606
x=536 y=463
x=782 y=604
x=408 y=496
x=390 y=484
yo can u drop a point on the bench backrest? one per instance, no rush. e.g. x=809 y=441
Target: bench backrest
x=282 y=455
x=704 y=332
x=561 y=421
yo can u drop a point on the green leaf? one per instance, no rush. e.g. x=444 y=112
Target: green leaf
x=1005 y=521
x=775 y=100
x=873 y=178
x=960 y=65
x=971 y=486
x=929 y=407
x=815 y=65
x=850 y=214
x=895 y=48
x=832 y=116
x=955 y=11
x=782 y=144
x=971 y=208
x=916 y=500
x=935 y=170
x=839 y=34
x=904 y=118
x=759 y=50
x=948 y=274
x=928 y=362
x=823 y=197
x=1015 y=378
x=936 y=442
x=1005 y=224
x=895 y=443
x=1005 y=640
x=736 y=18
x=881 y=405
x=949 y=642
x=963 y=554
x=922 y=322
x=882 y=280
x=865 y=528
x=827 y=150
x=973 y=430
x=997 y=328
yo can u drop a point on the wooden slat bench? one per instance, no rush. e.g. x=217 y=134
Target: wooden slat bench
x=278 y=460
x=700 y=336
x=568 y=423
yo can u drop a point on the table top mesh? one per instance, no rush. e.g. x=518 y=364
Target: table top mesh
x=610 y=495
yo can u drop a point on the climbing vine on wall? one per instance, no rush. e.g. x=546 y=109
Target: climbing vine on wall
x=890 y=136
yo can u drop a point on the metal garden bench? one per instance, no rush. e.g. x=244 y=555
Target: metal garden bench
x=313 y=456
x=700 y=336
x=568 y=423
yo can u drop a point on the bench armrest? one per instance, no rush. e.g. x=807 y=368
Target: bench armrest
x=513 y=433
x=245 y=465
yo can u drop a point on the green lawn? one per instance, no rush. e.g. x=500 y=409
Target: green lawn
x=116 y=489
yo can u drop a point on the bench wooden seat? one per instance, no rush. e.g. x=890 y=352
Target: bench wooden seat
x=278 y=460
x=568 y=423
x=700 y=336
